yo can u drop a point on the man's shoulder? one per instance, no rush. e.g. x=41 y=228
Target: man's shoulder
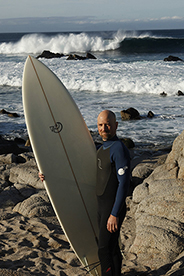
x=120 y=147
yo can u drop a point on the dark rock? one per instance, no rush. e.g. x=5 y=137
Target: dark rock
x=90 y=56
x=10 y=114
x=128 y=142
x=19 y=140
x=150 y=114
x=10 y=197
x=172 y=58
x=163 y=94
x=130 y=114
x=180 y=93
x=49 y=55
x=70 y=57
x=77 y=57
x=28 y=143
x=7 y=146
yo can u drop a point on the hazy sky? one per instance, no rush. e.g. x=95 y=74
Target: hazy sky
x=85 y=15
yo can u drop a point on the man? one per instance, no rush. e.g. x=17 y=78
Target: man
x=113 y=174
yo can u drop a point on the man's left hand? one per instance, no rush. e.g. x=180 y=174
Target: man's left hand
x=112 y=224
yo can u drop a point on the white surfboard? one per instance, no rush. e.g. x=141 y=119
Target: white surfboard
x=66 y=155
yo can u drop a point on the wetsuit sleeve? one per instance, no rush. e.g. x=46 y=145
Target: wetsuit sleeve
x=120 y=156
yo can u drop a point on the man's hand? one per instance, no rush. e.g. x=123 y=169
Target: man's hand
x=112 y=224
x=41 y=176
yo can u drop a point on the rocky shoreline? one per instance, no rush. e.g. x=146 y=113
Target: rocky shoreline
x=152 y=235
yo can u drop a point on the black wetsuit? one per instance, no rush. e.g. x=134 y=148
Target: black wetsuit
x=113 y=175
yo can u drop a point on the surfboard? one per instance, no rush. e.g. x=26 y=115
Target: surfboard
x=66 y=155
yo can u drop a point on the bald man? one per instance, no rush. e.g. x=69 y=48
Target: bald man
x=113 y=176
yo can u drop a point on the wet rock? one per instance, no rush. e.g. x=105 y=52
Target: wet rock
x=10 y=114
x=150 y=114
x=130 y=114
x=8 y=146
x=90 y=56
x=163 y=94
x=49 y=55
x=172 y=58
x=180 y=93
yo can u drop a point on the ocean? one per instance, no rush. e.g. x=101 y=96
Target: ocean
x=129 y=71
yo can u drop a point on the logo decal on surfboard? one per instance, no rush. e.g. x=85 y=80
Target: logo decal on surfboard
x=56 y=128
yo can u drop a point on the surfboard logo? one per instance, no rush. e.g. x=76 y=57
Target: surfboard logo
x=56 y=128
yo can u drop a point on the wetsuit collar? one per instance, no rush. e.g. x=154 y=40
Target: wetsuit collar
x=108 y=143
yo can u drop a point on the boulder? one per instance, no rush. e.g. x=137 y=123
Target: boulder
x=180 y=93
x=163 y=94
x=49 y=55
x=159 y=215
x=159 y=222
x=129 y=143
x=77 y=57
x=130 y=114
x=37 y=205
x=10 y=196
x=150 y=114
x=10 y=114
x=8 y=146
x=172 y=58
x=90 y=56
x=26 y=173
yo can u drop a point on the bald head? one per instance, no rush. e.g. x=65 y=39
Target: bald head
x=107 y=124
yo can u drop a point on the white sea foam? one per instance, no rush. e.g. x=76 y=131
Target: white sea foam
x=148 y=77
x=36 y=43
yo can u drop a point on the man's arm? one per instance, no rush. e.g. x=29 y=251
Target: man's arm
x=122 y=163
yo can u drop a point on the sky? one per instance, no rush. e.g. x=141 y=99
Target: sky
x=90 y=15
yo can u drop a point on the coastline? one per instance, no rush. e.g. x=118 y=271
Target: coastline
x=32 y=241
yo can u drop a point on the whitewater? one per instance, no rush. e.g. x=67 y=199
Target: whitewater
x=129 y=72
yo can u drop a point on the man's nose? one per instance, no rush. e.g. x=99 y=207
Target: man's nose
x=104 y=127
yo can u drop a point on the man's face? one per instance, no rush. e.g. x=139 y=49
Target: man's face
x=106 y=125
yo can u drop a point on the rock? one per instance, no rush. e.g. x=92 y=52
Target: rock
x=26 y=173
x=10 y=114
x=172 y=58
x=176 y=155
x=28 y=143
x=150 y=114
x=142 y=171
x=159 y=215
x=49 y=55
x=159 y=222
x=77 y=57
x=35 y=206
x=180 y=93
x=10 y=197
x=163 y=94
x=130 y=114
x=8 y=146
x=19 y=141
x=90 y=56
x=128 y=142
x=70 y=57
